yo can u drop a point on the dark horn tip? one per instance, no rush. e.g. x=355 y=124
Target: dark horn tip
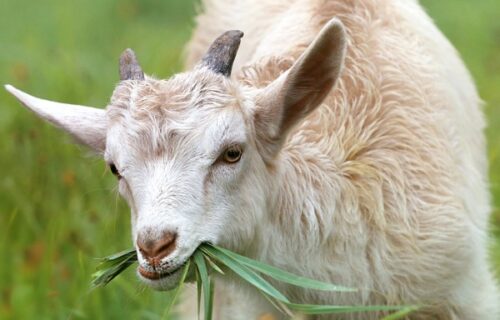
x=127 y=57
x=222 y=52
x=128 y=51
x=231 y=38
x=129 y=66
x=236 y=33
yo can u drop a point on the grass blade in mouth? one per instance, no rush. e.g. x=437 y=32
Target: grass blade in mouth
x=282 y=275
x=400 y=314
x=205 y=283
x=249 y=270
x=120 y=256
x=328 y=309
x=198 y=290
x=111 y=266
x=245 y=273
x=234 y=261
x=213 y=265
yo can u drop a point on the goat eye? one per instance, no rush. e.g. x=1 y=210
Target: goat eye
x=232 y=154
x=114 y=171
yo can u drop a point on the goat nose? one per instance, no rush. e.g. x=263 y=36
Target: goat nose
x=155 y=250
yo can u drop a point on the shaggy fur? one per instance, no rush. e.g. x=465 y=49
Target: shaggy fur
x=378 y=184
x=383 y=187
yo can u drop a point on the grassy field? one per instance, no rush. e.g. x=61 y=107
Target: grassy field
x=58 y=205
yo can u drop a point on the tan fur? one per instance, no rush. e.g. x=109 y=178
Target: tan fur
x=386 y=182
x=150 y=109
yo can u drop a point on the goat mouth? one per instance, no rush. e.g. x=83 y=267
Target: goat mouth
x=151 y=275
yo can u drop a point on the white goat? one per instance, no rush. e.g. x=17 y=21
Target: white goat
x=379 y=184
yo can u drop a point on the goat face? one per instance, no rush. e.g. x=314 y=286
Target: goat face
x=192 y=153
x=188 y=165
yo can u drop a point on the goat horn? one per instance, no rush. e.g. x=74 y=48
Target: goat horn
x=129 y=66
x=220 y=56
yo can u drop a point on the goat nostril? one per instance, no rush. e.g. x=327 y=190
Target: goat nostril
x=154 y=251
x=144 y=245
x=163 y=248
x=165 y=245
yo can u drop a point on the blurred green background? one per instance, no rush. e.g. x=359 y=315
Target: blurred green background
x=58 y=206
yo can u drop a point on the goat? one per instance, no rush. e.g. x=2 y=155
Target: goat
x=379 y=183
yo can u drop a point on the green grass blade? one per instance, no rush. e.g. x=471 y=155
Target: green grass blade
x=125 y=254
x=284 y=276
x=177 y=290
x=205 y=282
x=225 y=257
x=401 y=314
x=210 y=299
x=112 y=266
x=325 y=309
x=247 y=274
x=213 y=265
x=103 y=277
x=280 y=306
x=198 y=291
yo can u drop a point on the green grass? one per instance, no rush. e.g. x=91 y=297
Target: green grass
x=58 y=205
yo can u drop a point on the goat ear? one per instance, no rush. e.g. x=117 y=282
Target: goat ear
x=297 y=92
x=86 y=124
